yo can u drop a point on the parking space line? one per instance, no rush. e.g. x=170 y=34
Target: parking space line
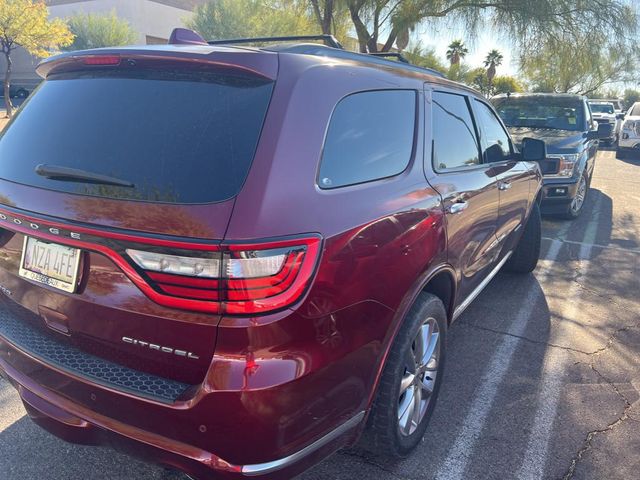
x=597 y=245
x=455 y=464
x=549 y=391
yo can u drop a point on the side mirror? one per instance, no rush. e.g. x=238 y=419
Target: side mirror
x=605 y=130
x=620 y=116
x=533 y=150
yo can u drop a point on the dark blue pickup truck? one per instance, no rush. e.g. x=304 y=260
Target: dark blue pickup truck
x=565 y=123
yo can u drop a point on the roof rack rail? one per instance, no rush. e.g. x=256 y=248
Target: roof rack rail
x=329 y=40
x=398 y=55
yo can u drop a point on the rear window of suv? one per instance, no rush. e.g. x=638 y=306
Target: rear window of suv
x=178 y=137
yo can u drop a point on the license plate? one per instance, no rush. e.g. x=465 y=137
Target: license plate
x=49 y=263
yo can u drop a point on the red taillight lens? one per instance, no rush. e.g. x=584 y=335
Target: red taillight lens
x=101 y=60
x=238 y=279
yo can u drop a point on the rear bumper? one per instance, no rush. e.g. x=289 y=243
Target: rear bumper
x=273 y=420
x=74 y=423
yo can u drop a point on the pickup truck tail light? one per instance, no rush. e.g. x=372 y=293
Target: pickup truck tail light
x=237 y=279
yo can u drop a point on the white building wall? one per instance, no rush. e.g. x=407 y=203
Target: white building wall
x=148 y=19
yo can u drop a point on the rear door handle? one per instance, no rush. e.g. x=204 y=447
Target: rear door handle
x=457 y=207
x=504 y=186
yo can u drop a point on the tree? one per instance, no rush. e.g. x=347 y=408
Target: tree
x=456 y=51
x=458 y=73
x=222 y=19
x=425 y=57
x=25 y=23
x=580 y=63
x=96 y=31
x=491 y=62
x=477 y=78
x=379 y=23
x=630 y=97
x=506 y=84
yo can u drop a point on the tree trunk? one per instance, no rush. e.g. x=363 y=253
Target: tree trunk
x=324 y=20
x=7 y=85
x=361 y=29
x=491 y=73
x=328 y=17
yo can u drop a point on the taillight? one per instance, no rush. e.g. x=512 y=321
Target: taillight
x=237 y=279
x=99 y=60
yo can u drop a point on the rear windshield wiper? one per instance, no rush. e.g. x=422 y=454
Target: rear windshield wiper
x=57 y=172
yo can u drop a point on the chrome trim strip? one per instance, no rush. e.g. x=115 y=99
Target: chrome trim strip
x=467 y=301
x=268 y=467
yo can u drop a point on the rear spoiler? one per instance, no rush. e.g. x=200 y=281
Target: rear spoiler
x=250 y=62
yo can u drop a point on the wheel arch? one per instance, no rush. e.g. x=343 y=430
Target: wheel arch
x=438 y=280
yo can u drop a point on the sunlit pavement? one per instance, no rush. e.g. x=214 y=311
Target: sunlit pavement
x=542 y=378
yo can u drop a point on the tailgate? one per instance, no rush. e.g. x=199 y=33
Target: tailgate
x=104 y=170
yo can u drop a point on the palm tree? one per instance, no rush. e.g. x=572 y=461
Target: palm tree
x=456 y=51
x=494 y=59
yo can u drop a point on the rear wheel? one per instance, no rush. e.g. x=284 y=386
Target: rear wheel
x=22 y=93
x=525 y=257
x=575 y=207
x=410 y=381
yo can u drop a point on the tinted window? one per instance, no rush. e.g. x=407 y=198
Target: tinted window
x=370 y=137
x=454 y=138
x=539 y=111
x=635 y=111
x=177 y=137
x=495 y=141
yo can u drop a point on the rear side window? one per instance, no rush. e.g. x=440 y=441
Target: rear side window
x=370 y=137
x=455 y=144
x=178 y=137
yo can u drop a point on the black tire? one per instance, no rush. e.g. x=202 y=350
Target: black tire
x=574 y=210
x=525 y=257
x=621 y=154
x=22 y=93
x=383 y=434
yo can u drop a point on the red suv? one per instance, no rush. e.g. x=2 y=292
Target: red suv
x=233 y=261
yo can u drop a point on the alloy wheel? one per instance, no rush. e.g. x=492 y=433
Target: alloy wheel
x=578 y=200
x=418 y=380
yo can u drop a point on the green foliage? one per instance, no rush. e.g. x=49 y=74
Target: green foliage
x=493 y=59
x=456 y=51
x=96 y=31
x=606 y=93
x=425 y=57
x=506 y=84
x=223 y=19
x=579 y=64
x=379 y=23
x=477 y=78
x=25 y=23
x=458 y=73
x=630 y=97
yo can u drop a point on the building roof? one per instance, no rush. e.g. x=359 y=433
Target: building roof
x=182 y=4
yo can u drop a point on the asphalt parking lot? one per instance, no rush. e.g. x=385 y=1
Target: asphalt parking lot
x=542 y=378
